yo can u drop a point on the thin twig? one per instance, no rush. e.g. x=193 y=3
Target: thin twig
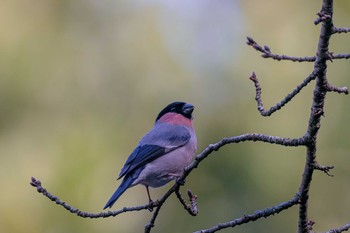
x=37 y=184
x=341 y=56
x=242 y=138
x=266 y=53
x=340 y=90
x=340 y=30
x=192 y=208
x=279 y=105
x=161 y=201
x=322 y=17
x=340 y=229
x=255 y=216
x=150 y=224
x=193 y=201
x=325 y=169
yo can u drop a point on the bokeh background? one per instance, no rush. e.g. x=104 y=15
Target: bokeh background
x=82 y=81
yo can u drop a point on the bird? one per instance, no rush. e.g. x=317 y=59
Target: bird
x=162 y=153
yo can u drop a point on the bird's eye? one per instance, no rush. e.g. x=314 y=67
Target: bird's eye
x=172 y=109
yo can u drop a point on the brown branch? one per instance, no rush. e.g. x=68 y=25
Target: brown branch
x=340 y=229
x=160 y=203
x=325 y=169
x=242 y=138
x=255 y=216
x=37 y=184
x=150 y=224
x=193 y=201
x=320 y=68
x=279 y=105
x=340 y=30
x=266 y=53
x=341 y=56
x=322 y=17
x=191 y=208
x=340 y=90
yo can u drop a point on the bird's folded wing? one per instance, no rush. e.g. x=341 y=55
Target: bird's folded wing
x=159 y=141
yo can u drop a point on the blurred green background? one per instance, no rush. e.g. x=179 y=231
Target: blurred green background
x=82 y=81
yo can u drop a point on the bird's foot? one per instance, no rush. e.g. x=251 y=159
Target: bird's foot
x=151 y=205
x=180 y=181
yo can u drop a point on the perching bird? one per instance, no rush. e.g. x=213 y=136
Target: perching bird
x=163 y=153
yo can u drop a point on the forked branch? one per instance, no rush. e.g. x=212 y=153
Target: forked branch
x=279 y=105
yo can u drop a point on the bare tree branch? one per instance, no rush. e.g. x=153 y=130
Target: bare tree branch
x=37 y=184
x=340 y=229
x=150 y=224
x=340 y=90
x=253 y=217
x=266 y=53
x=279 y=105
x=340 y=30
x=340 y=56
x=191 y=208
x=322 y=17
x=325 y=169
x=159 y=203
x=320 y=68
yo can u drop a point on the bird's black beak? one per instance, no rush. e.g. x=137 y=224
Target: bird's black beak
x=188 y=109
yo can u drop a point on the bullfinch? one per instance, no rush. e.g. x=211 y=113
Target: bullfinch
x=163 y=153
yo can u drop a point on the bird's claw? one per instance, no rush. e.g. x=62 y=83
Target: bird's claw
x=181 y=182
x=151 y=205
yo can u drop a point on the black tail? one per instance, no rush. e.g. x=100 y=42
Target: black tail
x=126 y=183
